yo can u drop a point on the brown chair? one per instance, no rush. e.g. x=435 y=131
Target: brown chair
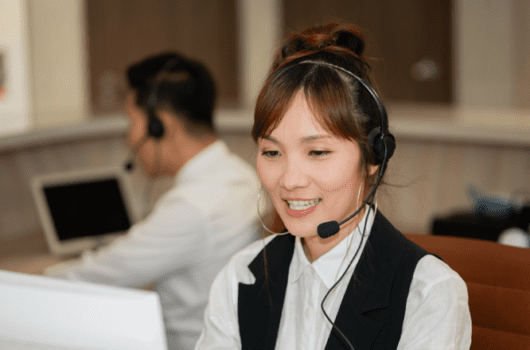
x=498 y=283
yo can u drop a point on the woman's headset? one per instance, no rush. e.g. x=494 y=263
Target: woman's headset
x=383 y=145
x=380 y=140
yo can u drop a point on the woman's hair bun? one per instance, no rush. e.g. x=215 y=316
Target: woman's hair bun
x=351 y=41
x=293 y=46
x=340 y=39
x=338 y=35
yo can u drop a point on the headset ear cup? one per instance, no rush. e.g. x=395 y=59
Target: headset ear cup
x=390 y=145
x=376 y=144
x=155 y=128
x=381 y=145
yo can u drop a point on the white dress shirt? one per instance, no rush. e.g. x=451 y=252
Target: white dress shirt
x=436 y=315
x=192 y=232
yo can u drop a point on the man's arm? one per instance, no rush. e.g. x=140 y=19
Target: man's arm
x=168 y=239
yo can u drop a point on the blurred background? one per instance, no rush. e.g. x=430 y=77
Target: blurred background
x=454 y=76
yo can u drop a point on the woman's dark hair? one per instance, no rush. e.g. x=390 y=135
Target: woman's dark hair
x=183 y=86
x=341 y=105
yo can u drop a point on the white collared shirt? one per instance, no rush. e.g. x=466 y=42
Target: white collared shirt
x=192 y=232
x=436 y=316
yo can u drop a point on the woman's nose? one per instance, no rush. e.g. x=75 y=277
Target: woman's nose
x=293 y=176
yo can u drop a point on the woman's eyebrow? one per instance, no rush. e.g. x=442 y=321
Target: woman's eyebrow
x=306 y=139
x=315 y=137
x=270 y=138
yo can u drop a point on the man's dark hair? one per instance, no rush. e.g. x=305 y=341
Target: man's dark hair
x=183 y=86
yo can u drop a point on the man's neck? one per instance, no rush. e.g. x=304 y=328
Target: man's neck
x=191 y=148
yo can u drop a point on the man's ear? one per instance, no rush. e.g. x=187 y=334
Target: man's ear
x=173 y=126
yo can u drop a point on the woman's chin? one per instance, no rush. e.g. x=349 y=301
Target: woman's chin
x=302 y=230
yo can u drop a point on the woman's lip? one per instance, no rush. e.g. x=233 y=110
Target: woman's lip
x=298 y=199
x=300 y=213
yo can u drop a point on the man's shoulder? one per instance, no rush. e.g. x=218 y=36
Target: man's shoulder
x=239 y=263
x=224 y=166
x=233 y=163
x=249 y=253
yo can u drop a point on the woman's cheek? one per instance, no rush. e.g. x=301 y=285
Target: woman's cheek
x=260 y=169
x=267 y=171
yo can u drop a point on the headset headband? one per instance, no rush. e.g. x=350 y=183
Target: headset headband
x=381 y=141
x=155 y=128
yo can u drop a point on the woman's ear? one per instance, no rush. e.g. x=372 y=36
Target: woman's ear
x=372 y=169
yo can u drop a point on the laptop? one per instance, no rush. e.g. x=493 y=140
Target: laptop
x=43 y=313
x=85 y=209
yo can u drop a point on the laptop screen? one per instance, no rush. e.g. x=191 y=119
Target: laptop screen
x=88 y=208
x=83 y=209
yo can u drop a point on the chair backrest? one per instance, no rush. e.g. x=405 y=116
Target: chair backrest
x=498 y=283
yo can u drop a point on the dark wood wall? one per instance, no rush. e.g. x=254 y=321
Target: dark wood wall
x=410 y=41
x=121 y=32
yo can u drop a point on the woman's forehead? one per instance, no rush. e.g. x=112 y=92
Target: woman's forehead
x=301 y=118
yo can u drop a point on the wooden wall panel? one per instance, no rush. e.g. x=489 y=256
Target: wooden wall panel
x=399 y=34
x=121 y=32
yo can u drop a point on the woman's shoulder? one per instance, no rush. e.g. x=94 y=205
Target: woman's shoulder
x=433 y=273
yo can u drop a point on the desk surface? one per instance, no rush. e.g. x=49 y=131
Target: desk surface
x=17 y=345
x=27 y=254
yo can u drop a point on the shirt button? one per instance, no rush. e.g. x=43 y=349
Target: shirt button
x=307 y=313
x=313 y=271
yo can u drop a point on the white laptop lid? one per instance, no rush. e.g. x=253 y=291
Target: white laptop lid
x=82 y=210
x=40 y=312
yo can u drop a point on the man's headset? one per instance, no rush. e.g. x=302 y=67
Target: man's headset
x=155 y=127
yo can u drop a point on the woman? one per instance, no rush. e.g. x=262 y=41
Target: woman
x=342 y=276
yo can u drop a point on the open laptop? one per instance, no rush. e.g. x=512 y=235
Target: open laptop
x=43 y=313
x=85 y=209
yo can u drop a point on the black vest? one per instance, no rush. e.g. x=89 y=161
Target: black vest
x=372 y=310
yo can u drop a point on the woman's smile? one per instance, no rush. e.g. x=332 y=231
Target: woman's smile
x=299 y=207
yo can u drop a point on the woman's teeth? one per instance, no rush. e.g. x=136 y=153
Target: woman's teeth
x=302 y=205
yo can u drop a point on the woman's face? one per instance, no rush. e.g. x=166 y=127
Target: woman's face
x=311 y=175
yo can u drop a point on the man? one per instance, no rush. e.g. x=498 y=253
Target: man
x=206 y=217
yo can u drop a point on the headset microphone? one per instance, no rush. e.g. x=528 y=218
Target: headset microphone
x=129 y=164
x=330 y=228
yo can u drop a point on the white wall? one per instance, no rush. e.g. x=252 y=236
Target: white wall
x=58 y=61
x=483 y=53
x=15 y=110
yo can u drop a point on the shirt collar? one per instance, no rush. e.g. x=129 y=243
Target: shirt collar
x=202 y=161
x=330 y=266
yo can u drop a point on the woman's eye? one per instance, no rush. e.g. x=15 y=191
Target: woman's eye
x=318 y=153
x=270 y=154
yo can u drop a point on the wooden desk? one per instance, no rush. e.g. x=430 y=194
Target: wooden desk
x=26 y=254
x=29 y=254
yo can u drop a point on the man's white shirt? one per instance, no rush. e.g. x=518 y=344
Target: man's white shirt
x=193 y=230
